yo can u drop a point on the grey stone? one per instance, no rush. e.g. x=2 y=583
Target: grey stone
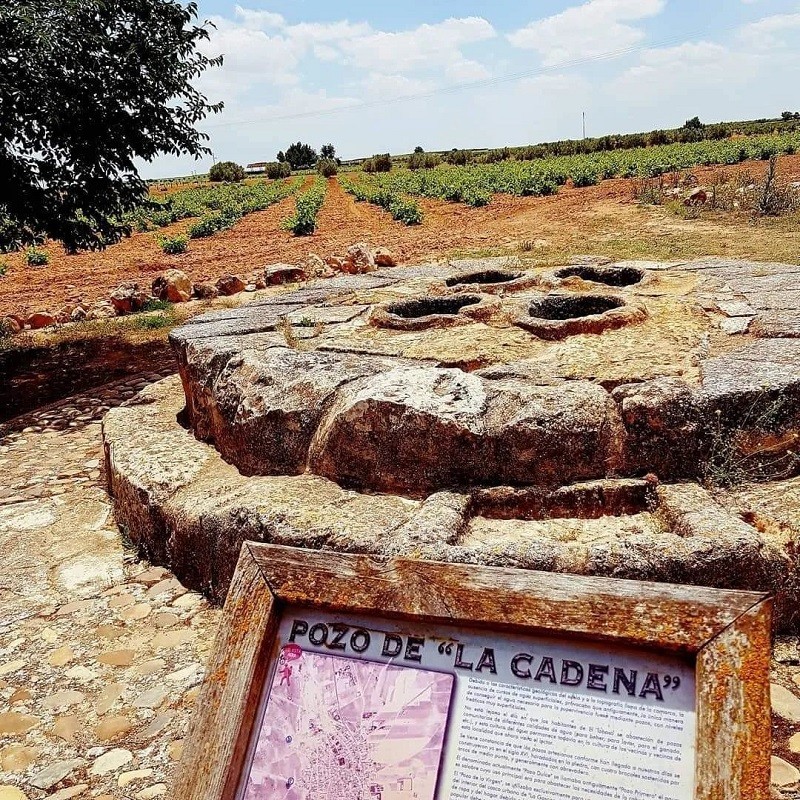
x=283 y=273
x=261 y=407
x=354 y=282
x=783 y=300
x=325 y=315
x=55 y=773
x=777 y=324
x=736 y=325
x=735 y=308
x=232 y=322
x=416 y=429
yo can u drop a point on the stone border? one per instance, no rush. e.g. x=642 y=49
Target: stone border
x=629 y=313
x=186 y=508
x=382 y=315
x=523 y=280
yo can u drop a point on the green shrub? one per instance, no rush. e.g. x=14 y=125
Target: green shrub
x=227 y=171
x=278 y=169
x=211 y=223
x=173 y=245
x=406 y=211
x=458 y=158
x=327 y=167
x=3 y=269
x=36 y=257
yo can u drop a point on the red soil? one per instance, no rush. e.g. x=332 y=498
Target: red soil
x=258 y=241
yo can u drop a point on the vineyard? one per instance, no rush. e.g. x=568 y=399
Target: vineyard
x=218 y=206
x=475 y=184
x=307 y=205
x=391 y=199
x=212 y=208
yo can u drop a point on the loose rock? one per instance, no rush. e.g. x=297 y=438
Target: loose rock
x=128 y=298
x=230 y=284
x=174 y=285
x=40 y=319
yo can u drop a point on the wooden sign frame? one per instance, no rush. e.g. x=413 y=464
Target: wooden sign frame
x=726 y=633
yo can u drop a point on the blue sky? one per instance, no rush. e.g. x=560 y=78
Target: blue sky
x=375 y=77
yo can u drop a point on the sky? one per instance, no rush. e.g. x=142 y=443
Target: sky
x=375 y=77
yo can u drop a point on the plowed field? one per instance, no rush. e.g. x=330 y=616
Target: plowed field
x=604 y=219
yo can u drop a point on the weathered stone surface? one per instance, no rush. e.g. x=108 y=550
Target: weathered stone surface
x=206 y=291
x=664 y=430
x=40 y=319
x=254 y=318
x=261 y=407
x=8 y=792
x=111 y=761
x=751 y=400
x=784 y=703
x=384 y=257
x=199 y=509
x=777 y=323
x=783 y=773
x=359 y=258
x=398 y=410
x=12 y=722
x=479 y=432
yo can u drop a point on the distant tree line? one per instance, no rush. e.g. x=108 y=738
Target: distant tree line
x=693 y=130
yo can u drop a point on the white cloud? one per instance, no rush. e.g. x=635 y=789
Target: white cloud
x=466 y=71
x=259 y=20
x=594 y=28
x=422 y=48
x=251 y=55
x=771 y=32
x=387 y=87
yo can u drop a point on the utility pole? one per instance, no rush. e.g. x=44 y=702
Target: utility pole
x=583 y=114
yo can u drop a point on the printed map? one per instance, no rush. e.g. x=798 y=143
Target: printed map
x=342 y=729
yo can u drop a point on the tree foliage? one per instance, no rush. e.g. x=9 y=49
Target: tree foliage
x=87 y=87
x=327 y=151
x=327 y=167
x=278 y=169
x=380 y=162
x=693 y=123
x=299 y=155
x=227 y=171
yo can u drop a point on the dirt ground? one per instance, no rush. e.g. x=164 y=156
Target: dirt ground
x=603 y=220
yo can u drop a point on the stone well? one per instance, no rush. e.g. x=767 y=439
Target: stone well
x=651 y=448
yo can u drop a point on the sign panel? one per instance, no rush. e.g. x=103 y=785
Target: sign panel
x=342 y=677
x=358 y=708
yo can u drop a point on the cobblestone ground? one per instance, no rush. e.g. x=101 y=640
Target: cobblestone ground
x=101 y=656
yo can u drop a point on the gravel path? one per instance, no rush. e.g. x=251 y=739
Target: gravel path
x=101 y=656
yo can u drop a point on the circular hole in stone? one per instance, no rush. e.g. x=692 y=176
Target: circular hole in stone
x=559 y=307
x=611 y=276
x=428 y=306
x=487 y=276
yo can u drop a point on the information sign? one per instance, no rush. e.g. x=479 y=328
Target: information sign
x=330 y=682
